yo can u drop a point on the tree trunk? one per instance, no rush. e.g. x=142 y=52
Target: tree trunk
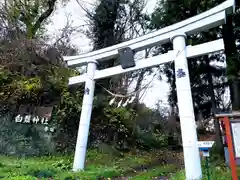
x=218 y=137
x=233 y=63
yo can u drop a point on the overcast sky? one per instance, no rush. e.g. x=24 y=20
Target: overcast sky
x=158 y=90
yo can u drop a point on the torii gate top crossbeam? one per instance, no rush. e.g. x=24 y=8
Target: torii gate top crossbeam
x=191 y=52
x=202 y=22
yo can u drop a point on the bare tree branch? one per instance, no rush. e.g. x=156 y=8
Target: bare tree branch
x=44 y=16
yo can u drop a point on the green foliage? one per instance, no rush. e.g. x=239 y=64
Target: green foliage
x=15 y=87
x=216 y=173
x=104 y=20
x=32 y=15
x=149 y=140
x=29 y=85
x=121 y=117
x=168 y=12
x=47 y=84
x=69 y=102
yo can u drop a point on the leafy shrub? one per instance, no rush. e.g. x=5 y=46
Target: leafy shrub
x=63 y=164
x=148 y=140
x=120 y=119
x=42 y=173
x=215 y=157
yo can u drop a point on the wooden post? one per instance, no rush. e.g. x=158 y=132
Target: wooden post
x=229 y=138
x=232 y=160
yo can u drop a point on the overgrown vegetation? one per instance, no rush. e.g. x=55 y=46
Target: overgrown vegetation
x=99 y=166
x=220 y=172
x=135 y=166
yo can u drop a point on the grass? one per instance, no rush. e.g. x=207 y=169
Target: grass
x=217 y=172
x=156 y=172
x=98 y=165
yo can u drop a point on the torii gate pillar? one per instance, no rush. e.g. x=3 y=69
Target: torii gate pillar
x=187 y=119
x=84 y=124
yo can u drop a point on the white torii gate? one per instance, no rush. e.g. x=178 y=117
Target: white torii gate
x=176 y=34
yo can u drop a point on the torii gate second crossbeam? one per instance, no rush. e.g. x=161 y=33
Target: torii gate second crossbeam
x=176 y=34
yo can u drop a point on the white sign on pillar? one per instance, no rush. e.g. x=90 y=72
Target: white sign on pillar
x=202 y=22
x=186 y=111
